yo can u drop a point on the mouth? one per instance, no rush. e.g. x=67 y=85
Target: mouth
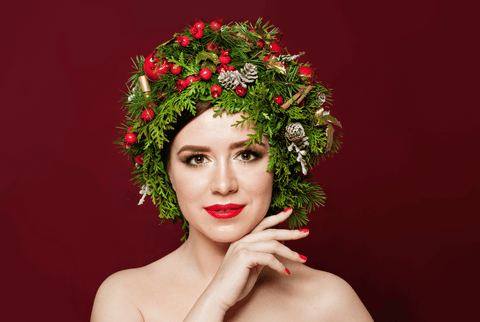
x=224 y=211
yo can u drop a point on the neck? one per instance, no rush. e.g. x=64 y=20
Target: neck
x=202 y=255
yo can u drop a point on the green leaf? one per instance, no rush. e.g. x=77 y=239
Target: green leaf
x=203 y=55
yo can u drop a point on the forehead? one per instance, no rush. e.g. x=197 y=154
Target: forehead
x=208 y=130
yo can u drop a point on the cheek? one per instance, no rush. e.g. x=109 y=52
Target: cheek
x=258 y=184
x=190 y=185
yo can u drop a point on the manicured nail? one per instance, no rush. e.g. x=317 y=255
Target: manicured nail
x=287 y=209
x=303 y=257
x=286 y=270
x=304 y=230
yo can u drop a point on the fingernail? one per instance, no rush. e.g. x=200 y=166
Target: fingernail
x=303 y=257
x=287 y=209
x=286 y=270
x=304 y=230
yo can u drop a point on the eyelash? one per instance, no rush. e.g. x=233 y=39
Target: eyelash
x=191 y=156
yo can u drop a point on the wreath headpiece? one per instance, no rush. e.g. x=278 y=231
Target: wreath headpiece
x=237 y=67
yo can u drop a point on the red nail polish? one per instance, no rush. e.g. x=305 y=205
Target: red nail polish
x=303 y=257
x=304 y=230
x=286 y=270
x=287 y=209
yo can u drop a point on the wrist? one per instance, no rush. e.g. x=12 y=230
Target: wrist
x=207 y=308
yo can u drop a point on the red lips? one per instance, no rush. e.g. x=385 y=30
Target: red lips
x=224 y=211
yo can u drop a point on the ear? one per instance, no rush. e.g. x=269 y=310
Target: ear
x=170 y=177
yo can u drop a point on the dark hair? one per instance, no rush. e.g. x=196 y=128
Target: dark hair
x=182 y=121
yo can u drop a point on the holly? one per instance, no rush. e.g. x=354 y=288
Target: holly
x=130 y=138
x=241 y=91
x=225 y=57
x=139 y=159
x=278 y=99
x=175 y=69
x=191 y=79
x=215 y=25
x=198 y=24
x=147 y=115
x=216 y=91
x=197 y=33
x=183 y=41
x=205 y=74
x=212 y=46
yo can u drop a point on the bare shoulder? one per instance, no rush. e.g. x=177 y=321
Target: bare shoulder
x=322 y=296
x=332 y=298
x=115 y=299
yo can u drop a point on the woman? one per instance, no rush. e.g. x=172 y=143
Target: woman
x=220 y=172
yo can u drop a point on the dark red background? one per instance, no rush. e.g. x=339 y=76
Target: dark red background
x=401 y=220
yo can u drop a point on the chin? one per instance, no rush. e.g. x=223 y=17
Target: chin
x=226 y=235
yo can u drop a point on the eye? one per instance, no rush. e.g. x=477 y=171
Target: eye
x=196 y=160
x=247 y=156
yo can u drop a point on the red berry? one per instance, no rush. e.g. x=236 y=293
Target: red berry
x=130 y=138
x=305 y=71
x=241 y=91
x=212 y=46
x=183 y=41
x=130 y=129
x=216 y=91
x=147 y=115
x=205 y=74
x=225 y=57
x=163 y=68
x=275 y=47
x=190 y=79
x=215 y=25
x=139 y=159
x=197 y=33
x=198 y=24
x=175 y=69
x=278 y=99
x=149 y=67
x=260 y=44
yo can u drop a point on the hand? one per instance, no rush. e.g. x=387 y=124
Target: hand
x=246 y=258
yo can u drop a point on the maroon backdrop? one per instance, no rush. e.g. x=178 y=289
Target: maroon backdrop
x=401 y=219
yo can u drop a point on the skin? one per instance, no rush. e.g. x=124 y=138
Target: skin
x=228 y=269
x=223 y=175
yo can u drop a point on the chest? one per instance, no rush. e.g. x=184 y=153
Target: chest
x=263 y=304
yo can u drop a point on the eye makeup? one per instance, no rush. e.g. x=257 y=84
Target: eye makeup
x=194 y=159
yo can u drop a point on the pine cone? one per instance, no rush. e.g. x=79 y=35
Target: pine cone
x=249 y=73
x=295 y=132
x=321 y=97
x=230 y=80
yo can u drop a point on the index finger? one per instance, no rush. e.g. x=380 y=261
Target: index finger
x=272 y=220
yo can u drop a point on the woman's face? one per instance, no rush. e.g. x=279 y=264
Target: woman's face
x=210 y=167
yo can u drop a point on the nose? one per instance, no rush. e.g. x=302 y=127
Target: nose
x=224 y=179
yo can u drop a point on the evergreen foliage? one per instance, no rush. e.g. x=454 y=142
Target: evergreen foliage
x=259 y=111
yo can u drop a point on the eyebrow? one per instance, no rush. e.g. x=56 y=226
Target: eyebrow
x=199 y=148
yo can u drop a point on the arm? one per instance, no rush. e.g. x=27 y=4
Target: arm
x=205 y=309
x=113 y=301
